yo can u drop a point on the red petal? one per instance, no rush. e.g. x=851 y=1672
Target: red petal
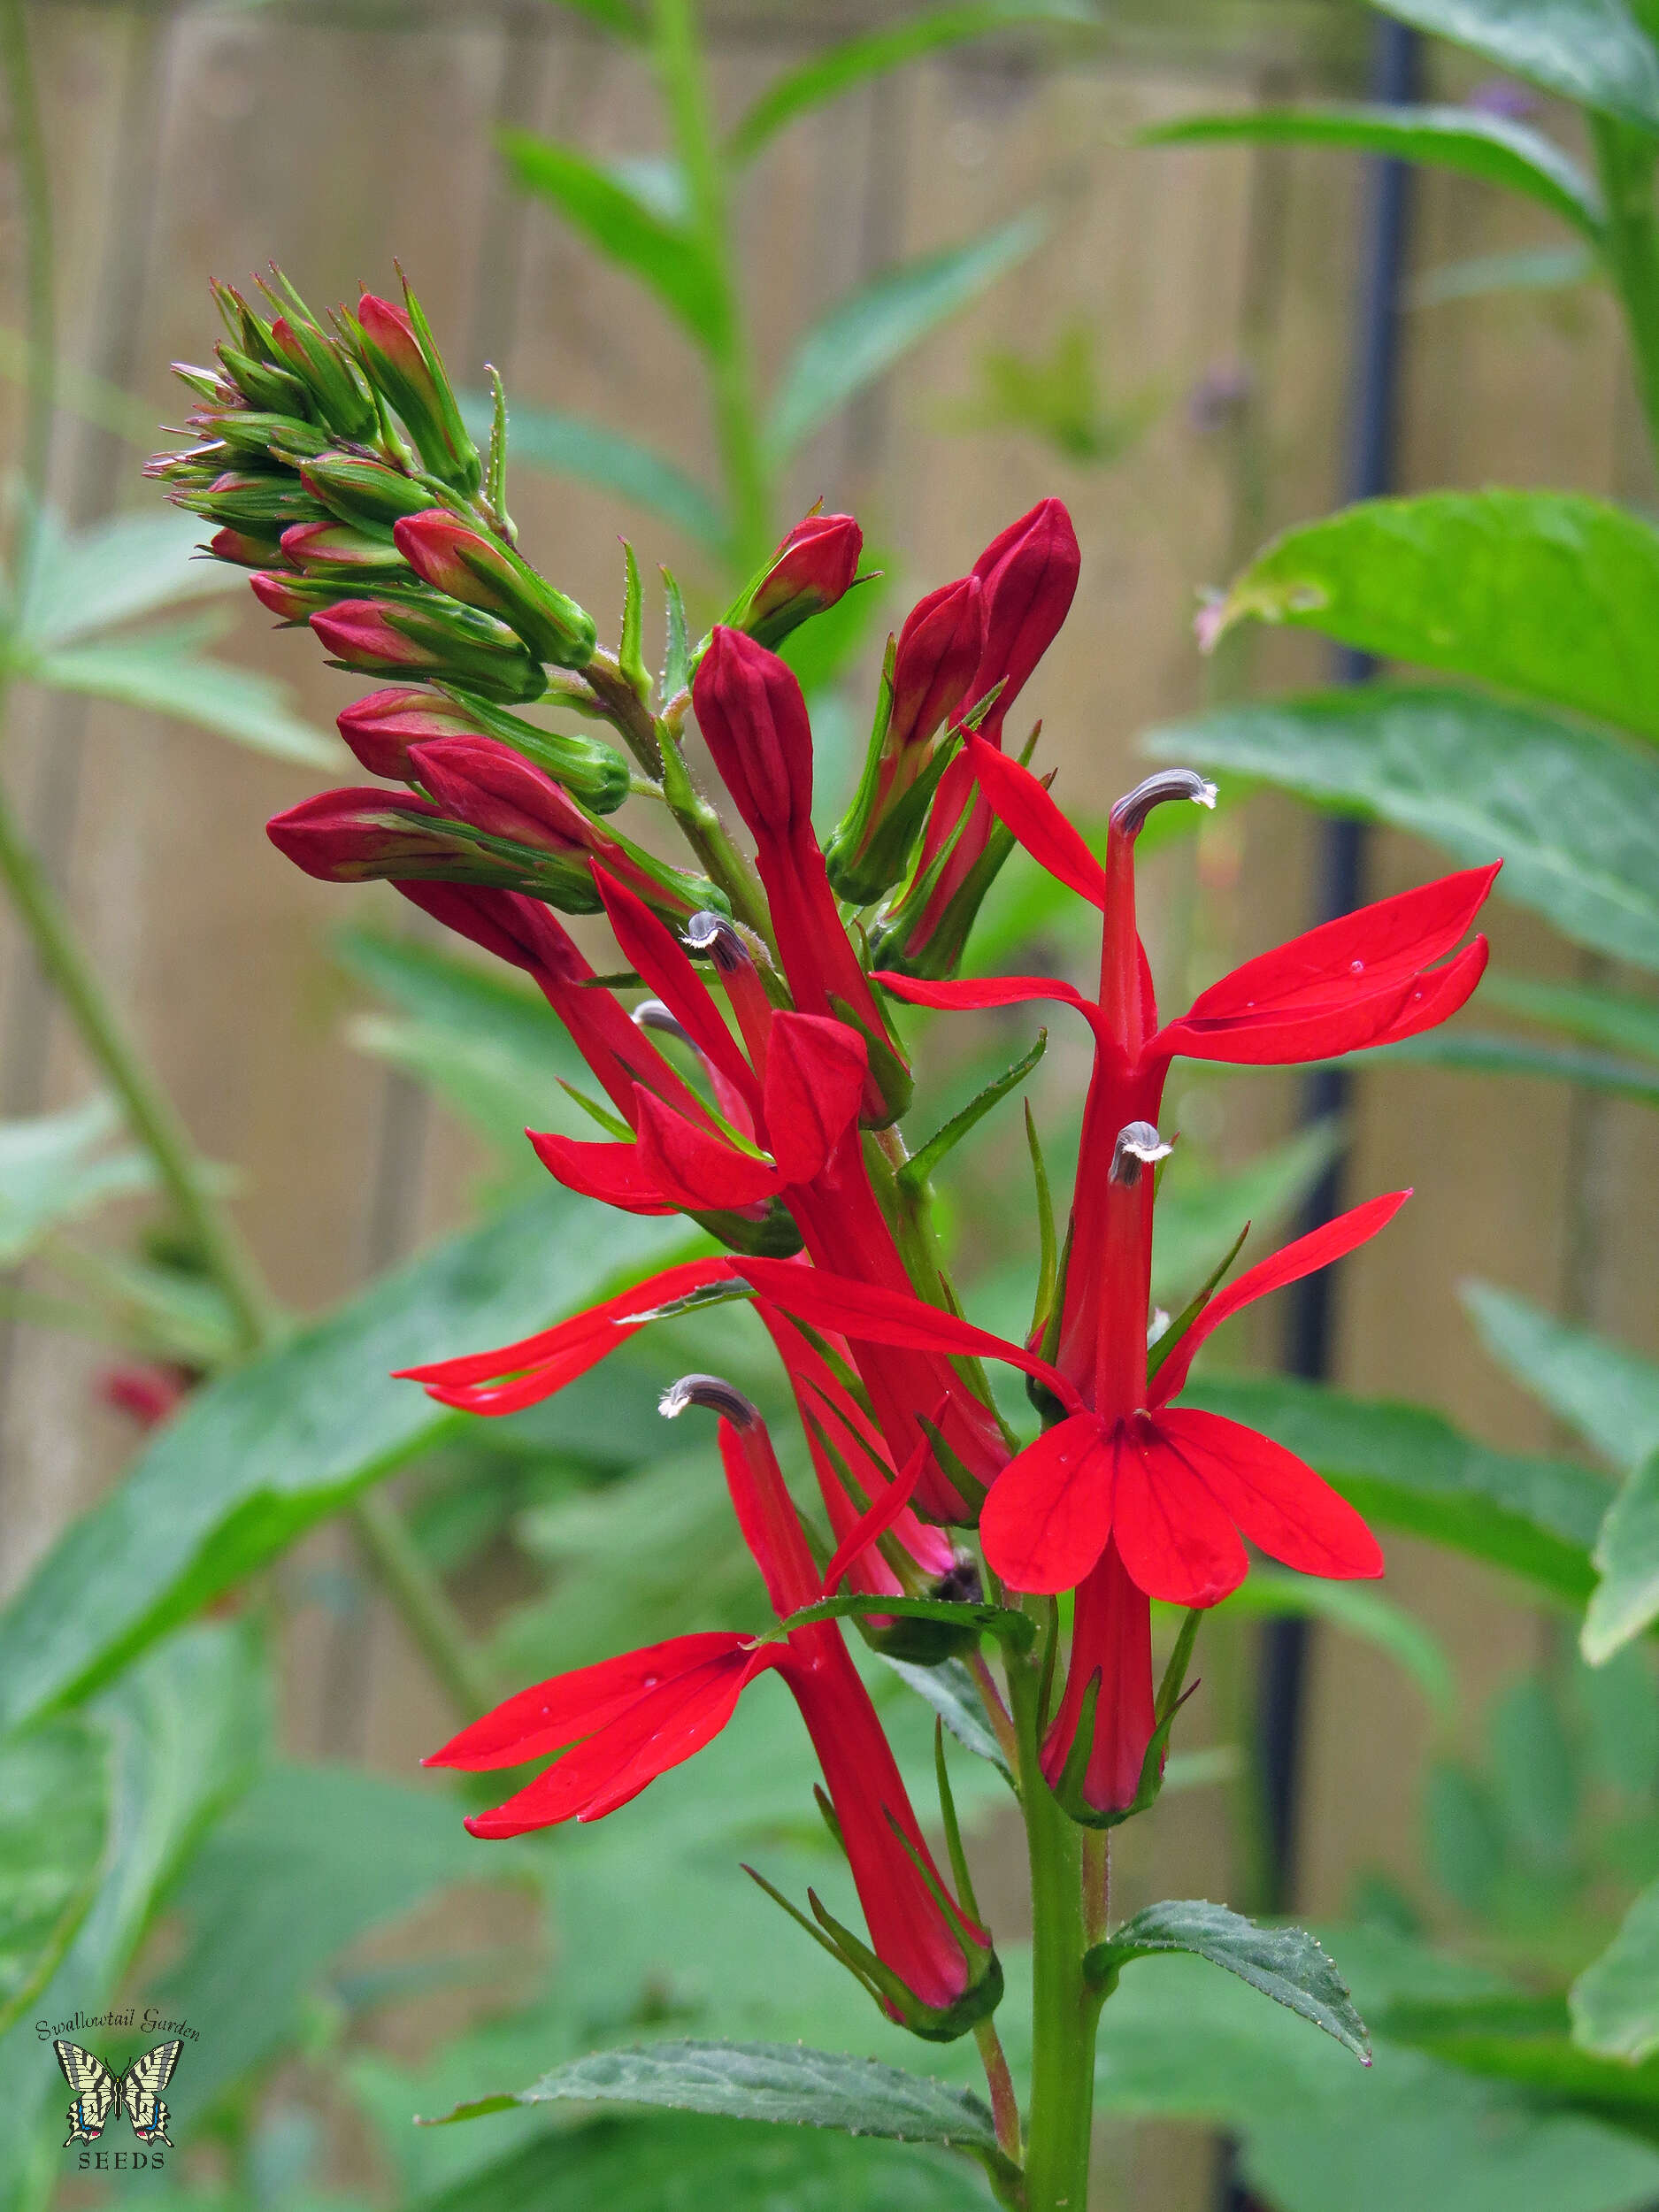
x=969 y=994
x=879 y=1518
x=1020 y=799
x=815 y=1078
x=651 y=948
x=1050 y=1512
x=1438 y=995
x=1178 y=1543
x=1317 y=1250
x=550 y=1715
x=868 y=1314
x=619 y=1175
x=1279 y=1501
x=697 y=1167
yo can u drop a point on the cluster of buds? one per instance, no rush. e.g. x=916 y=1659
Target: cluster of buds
x=754 y=1071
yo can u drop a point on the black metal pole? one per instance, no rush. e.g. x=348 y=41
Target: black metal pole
x=1369 y=471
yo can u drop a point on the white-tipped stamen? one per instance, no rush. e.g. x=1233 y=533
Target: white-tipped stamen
x=1132 y=809
x=1139 y=1145
x=719 y=936
x=650 y=1013
x=708 y=1390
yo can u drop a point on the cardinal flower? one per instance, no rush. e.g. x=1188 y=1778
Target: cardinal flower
x=621 y=1724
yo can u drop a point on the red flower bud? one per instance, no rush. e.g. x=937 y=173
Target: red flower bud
x=940 y=649
x=481 y=570
x=243 y=549
x=396 y=350
x=1029 y=574
x=358 y=834
x=433 y=637
x=754 y=721
x=477 y=780
x=813 y=568
x=381 y=727
x=334 y=549
x=289 y=597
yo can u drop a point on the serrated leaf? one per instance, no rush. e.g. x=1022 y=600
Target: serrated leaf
x=592 y=453
x=785 y=2084
x=1615 y=2001
x=838 y=68
x=1454 y=580
x=1591 y=52
x=259 y=1456
x=162 y=672
x=1573 y=814
x=861 y=336
x=1405 y=1467
x=1493 y=147
x=1608 y=1394
x=1626 y=1599
x=1286 y=1964
x=53 y=1170
x=623 y=223
x=54 y=1819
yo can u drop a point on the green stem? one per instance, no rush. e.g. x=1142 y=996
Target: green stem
x=709 y=838
x=152 y=1115
x=680 y=65
x=1065 y=2010
x=35 y=195
x=1629 y=248
x=422 y=1603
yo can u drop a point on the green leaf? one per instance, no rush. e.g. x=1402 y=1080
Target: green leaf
x=874 y=53
x=1535 y=1774
x=53 y=1170
x=1490 y=147
x=1615 y=2001
x=262 y=1454
x=1409 y=1468
x=1286 y=1964
x=1601 y=1018
x=310 y=1861
x=1197 y=1220
x=161 y=671
x=1528 y=269
x=1480 y=1052
x=1359 y=1612
x=1591 y=51
x=1455 y=581
x=621 y=222
x=618 y=17
x=955 y=1696
x=128 y=565
x=670 y=2165
x=913 y=1175
x=609 y=460
x=861 y=336
x=54 y=1819
x=188 y=1726
x=1626 y=1599
x=1573 y=814
x=785 y=2084
x=1609 y=1396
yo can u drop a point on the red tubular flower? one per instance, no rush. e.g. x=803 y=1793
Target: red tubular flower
x=754 y=720
x=1109 y=1686
x=632 y=1718
x=381 y=727
x=1029 y=576
x=813 y=567
x=437 y=639
x=363 y=833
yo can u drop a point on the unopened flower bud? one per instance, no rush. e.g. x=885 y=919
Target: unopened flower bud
x=330 y=378
x=432 y=638
x=263 y=384
x=360 y=835
x=1029 y=573
x=813 y=568
x=366 y=493
x=395 y=348
x=481 y=570
x=335 y=548
x=382 y=728
x=252 y=499
x=253 y=435
x=294 y=599
x=754 y=721
x=245 y=548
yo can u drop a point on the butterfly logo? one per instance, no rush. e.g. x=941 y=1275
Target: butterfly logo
x=98 y=2092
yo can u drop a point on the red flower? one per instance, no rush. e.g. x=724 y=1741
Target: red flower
x=623 y=1722
x=814 y=566
x=1109 y=1685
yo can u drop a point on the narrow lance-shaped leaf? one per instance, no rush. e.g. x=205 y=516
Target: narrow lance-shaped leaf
x=609 y=460
x=55 y=1168
x=1286 y=1964
x=1599 y=1017
x=130 y=565
x=1490 y=147
x=1574 y=814
x=914 y=1174
x=861 y=336
x=1528 y=269
x=1482 y=1052
x=1455 y=581
x=1626 y=1599
x=54 y=1815
x=1615 y=2001
x=1357 y=1611
x=874 y=53
x=1610 y=1395
x=1591 y=51
x=619 y=221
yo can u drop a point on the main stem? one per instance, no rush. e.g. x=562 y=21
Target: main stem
x=1065 y=2010
x=680 y=64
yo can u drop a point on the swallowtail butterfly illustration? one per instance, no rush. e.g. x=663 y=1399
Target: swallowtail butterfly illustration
x=98 y=2092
